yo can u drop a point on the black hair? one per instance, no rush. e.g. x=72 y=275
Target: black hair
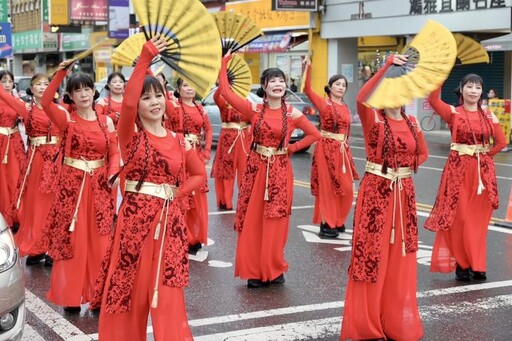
x=266 y=76
x=35 y=78
x=179 y=83
x=78 y=81
x=161 y=74
x=152 y=84
x=471 y=78
x=4 y=73
x=333 y=79
x=111 y=76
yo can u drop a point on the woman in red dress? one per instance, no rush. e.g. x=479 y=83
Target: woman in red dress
x=188 y=117
x=380 y=300
x=468 y=192
x=333 y=170
x=111 y=105
x=265 y=198
x=80 y=221
x=147 y=268
x=232 y=150
x=12 y=150
x=38 y=180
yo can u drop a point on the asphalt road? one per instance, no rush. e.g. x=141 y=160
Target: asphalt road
x=309 y=305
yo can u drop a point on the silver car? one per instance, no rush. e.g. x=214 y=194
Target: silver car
x=12 y=287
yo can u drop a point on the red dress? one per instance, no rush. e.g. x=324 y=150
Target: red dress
x=38 y=179
x=460 y=215
x=109 y=107
x=263 y=224
x=333 y=170
x=80 y=221
x=193 y=122
x=232 y=150
x=136 y=261
x=12 y=158
x=380 y=299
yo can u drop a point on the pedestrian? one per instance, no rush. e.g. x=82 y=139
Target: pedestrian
x=380 y=301
x=333 y=170
x=265 y=197
x=80 y=221
x=148 y=267
x=492 y=94
x=111 y=105
x=232 y=150
x=12 y=150
x=36 y=185
x=188 y=117
x=293 y=86
x=468 y=192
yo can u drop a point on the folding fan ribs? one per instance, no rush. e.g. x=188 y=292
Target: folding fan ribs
x=431 y=54
x=128 y=52
x=236 y=30
x=239 y=76
x=193 y=48
x=470 y=51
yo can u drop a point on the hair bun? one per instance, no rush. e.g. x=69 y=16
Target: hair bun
x=327 y=90
x=29 y=92
x=176 y=94
x=107 y=87
x=260 y=92
x=66 y=99
x=96 y=94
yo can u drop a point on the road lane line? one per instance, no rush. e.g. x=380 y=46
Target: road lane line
x=29 y=334
x=53 y=319
x=328 y=327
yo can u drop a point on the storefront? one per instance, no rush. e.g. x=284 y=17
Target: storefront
x=285 y=41
x=346 y=23
x=34 y=51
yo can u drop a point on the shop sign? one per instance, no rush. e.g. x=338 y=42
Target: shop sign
x=103 y=54
x=59 y=12
x=5 y=40
x=27 y=40
x=96 y=10
x=501 y=108
x=4 y=11
x=295 y=5
x=118 y=19
x=260 y=11
x=76 y=41
x=443 y=6
x=50 y=41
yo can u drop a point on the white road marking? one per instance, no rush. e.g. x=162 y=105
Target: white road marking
x=53 y=319
x=29 y=334
x=219 y=264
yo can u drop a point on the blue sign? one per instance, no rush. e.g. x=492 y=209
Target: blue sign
x=5 y=40
x=118 y=19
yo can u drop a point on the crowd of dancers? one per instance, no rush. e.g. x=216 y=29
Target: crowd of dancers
x=60 y=193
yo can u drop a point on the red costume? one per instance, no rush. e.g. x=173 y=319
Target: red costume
x=38 y=179
x=463 y=208
x=232 y=150
x=381 y=293
x=193 y=122
x=148 y=265
x=107 y=106
x=333 y=170
x=265 y=198
x=80 y=221
x=12 y=157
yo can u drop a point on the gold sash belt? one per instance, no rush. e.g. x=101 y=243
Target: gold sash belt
x=193 y=139
x=268 y=153
x=469 y=149
x=329 y=135
x=8 y=130
x=42 y=140
x=235 y=125
x=87 y=166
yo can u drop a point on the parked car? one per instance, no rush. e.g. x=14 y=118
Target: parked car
x=22 y=83
x=100 y=86
x=214 y=114
x=12 y=287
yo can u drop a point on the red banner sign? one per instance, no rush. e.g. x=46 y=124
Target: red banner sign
x=95 y=10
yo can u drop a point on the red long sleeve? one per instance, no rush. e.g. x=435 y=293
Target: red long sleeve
x=422 y=148
x=500 y=140
x=317 y=100
x=114 y=159
x=208 y=137
x=441 y=108
x=57 y=115
x=242 y=105
x=131 y=96
x=197 y=174
x=312 y=134
x=18 y=105
x=220 y=101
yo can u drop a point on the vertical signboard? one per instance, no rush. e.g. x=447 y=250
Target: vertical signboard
x=3 y=11
x=118 y=19
x=5 y=40
x=59 y=12
x=501 y=108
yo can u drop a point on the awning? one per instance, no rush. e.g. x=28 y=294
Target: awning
x=503 y=43
x=276 y=42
